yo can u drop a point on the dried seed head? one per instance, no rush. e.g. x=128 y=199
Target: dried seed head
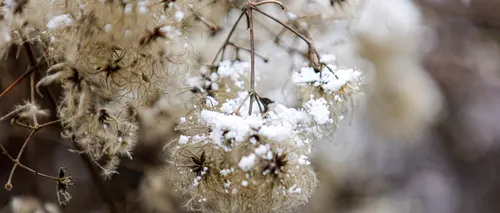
x=8 y=186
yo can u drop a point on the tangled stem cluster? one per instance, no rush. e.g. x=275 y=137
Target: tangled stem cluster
x=238 y=151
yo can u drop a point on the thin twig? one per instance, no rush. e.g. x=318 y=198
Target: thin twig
x=34 y=127
x=269 y=2
x=32 y=93
x=237 y=111
x=214 y=28
x=4 y=151
x=248 y=50
x=223 y=47
x=252 y=54
x=8 y=185
x=13 y=112
x=21 y=124
x=28 y=72
x=48 y=123
x=312 y=48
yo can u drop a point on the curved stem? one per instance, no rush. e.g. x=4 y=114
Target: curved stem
x=4 y=151
x=312 y=48
x=17 y=162
x=223 y=47
x=270 y=2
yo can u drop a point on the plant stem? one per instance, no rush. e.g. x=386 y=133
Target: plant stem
x=32 y=93
x=223 y=47
x=248 y=50
x=252 y=52
x=249 y=9
x=48 y=123
x=16 y=161
x=4 y=151
x=312 y=48
x=28 y=72
x=214 y=28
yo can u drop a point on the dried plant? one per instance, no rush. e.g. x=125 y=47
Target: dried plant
x=237 y=150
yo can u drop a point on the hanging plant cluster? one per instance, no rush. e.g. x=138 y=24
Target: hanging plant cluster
x=237 y=151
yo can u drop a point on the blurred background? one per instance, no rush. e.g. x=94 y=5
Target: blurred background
x=451 y=167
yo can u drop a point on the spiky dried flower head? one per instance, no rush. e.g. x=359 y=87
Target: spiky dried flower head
x=254 y=173
x=228 y=160
x=111 y=56
x=329 y=92
x=108 y=56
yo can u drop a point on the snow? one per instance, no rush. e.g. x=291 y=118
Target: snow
x=129 y=8
x=305 y=75
x=211 y=102
x=231 y=105
x=291 y=16
x=328 y=58
x=237 y=127
x=143 y=7
x=225 y=172
x=342 y=77
x=279 y=134
x=179 y=15
x=331 y=78
x=318 y=109
x=289 y=117
x=294 y=189
x=233 y=70
x=170 y=31
x=59 y=21
x=183 y=139
x=303 y=160
x=108 y=28
x=196 y=181
x=262 y=150
x=247 y=162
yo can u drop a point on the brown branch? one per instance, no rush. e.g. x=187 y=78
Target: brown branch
x=8 y=185
x=312 y=48
x=247 y=50
x=223 y=47
x=269 y=2
x=48 y=123
x=32 y=93
x=214 y=28
x=28 y=72
x=249 y=14
x=17 y=162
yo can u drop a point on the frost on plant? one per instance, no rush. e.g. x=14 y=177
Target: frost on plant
x=226 y=162
x=237 y=150
x=328 y=91
x=233 y=157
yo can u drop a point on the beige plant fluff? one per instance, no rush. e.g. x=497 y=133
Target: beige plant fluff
x=112 y=59
x=403 y=99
